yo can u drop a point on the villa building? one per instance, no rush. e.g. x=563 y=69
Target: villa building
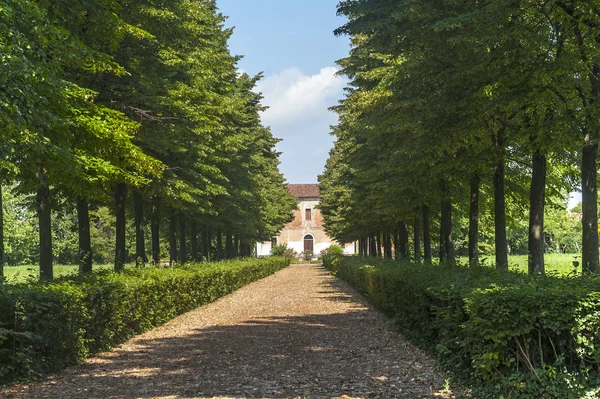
x=305 y=232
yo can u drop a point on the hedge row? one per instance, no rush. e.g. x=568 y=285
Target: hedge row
x=44 y=328
x=507 y=335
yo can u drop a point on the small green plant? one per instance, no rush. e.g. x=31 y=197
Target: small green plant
x=307 y=255
x=283 y=250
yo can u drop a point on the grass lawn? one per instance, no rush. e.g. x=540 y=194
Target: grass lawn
x=15 y=274
x=555 y=263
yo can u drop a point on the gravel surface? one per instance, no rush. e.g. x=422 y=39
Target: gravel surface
x=299 y=333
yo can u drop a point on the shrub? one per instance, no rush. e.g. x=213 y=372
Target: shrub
x=44 y=328
x=283 y=250
x=509 y=335
x=307 y=255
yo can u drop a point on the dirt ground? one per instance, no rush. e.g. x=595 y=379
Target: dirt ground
x=299 y=333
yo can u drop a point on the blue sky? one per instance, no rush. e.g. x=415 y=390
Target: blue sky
x=292 y=43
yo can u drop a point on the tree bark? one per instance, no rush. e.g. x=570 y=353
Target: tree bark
x=155 y=227
x=474 y=221
x=427 y=255
x=45 y=223
x=589 y=202
x=403 y=240
x=140 y=244
x=219 y=245
x=85 y=242
x=194 y=240
x=236 y=245
x=537 y=195
x=120 y=198
x=228 y=245
x=172 y=237
x=417 y=239
x=209 y=256
x=182 y=239
x=500 y=207
x=2 y=251
x=372 y=246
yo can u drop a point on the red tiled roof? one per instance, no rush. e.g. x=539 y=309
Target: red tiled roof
x=304 y=190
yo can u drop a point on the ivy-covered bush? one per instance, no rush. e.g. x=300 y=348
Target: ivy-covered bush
x=507 y=334
x=44 y=328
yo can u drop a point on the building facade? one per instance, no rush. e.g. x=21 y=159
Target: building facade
x=305 y=232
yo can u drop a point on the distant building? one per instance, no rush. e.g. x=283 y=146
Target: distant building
x=305 y=232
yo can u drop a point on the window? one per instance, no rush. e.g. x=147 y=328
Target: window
x=273 y=241
x=308 y=214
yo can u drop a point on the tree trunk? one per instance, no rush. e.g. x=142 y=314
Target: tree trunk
x=1 y=239
x=45 y=225
x=120 y=198
x=589 y=202
x=172 y=237
x=85 y=243
x=417 y=239
x=403 y=238
x=236 y=246
x=537 y=195
x=372 y=246
x=474 y=222
x=500 y=208
x=140 y=244
x=182 y=247
x=194 y=240
x=427 y=255
x=378 y=244
x=219 y=245
x=155 y=227
x=229 y=245
x=209 y=256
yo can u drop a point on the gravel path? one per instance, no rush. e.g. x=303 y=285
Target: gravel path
x=297 y=334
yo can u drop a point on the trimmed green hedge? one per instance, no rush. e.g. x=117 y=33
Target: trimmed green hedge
x=44 y=328
x=508 y=335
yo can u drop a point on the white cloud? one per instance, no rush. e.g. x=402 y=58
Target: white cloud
x=294 y=97
x=299 y=115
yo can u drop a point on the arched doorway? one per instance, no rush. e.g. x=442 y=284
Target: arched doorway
x=309 y=243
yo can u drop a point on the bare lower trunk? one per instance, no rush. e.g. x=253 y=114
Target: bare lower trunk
x=194 y=240
x=417 y=239
x=172 y=237
x=536 y=214
x=219 y=245
x=2 y=257
x=474 y=222
x=140 y=242
x=500 y=208
x=155 y=227
x=182 y=239
x=589 y=202
x=120 y=198
x=85 y=243
x=45 y=225
x=229 y=245
x=236 y=247
x=427 y=255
